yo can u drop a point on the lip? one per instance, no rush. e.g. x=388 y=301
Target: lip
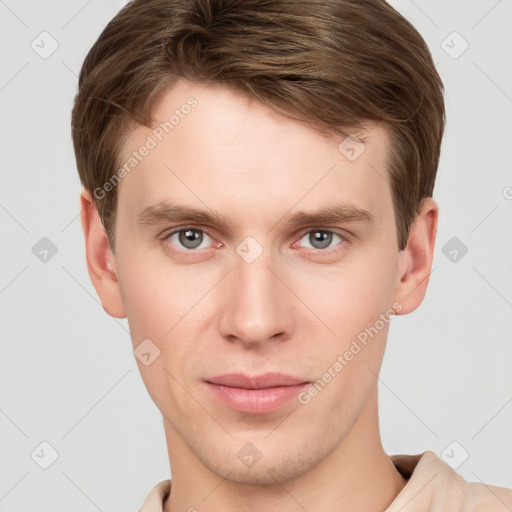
x=259 y=394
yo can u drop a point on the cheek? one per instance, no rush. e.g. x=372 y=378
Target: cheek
x=157 y=295
x=159 y=306
x=348 y=297
x=166 y=304
x=349 y=300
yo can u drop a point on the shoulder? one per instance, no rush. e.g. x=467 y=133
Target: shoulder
x=434 y=486
x=481 y=497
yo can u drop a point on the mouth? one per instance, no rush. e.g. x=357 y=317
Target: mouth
x=258 y=394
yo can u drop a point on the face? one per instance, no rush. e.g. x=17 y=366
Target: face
x=255 y=303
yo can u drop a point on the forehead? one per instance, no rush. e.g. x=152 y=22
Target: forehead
x=213 y=146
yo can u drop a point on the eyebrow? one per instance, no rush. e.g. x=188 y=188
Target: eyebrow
x=170 y=212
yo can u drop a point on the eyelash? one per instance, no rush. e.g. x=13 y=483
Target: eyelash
x=310 y=230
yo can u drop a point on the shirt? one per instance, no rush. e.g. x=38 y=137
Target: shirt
x=432 y=486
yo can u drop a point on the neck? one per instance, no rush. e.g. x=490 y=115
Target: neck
x=357 y=475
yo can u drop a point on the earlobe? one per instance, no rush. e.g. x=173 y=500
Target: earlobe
x=100 y=259
x=416 y=258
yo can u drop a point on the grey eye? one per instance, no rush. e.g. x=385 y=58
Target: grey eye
x=188 y=238
x=320 y=239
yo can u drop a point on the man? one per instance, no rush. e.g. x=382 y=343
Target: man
x=257 y=202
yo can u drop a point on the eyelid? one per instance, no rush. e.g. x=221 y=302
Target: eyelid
x=176 y=229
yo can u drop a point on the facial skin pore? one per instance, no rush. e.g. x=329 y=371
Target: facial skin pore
x=293 y=310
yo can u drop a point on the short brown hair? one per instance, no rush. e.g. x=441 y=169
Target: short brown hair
x=336 y=64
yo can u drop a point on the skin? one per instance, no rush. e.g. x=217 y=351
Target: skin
x=292 y=310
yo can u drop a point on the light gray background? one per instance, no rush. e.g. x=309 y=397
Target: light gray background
x=67 y=372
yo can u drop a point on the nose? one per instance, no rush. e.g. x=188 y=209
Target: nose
x=257 y=308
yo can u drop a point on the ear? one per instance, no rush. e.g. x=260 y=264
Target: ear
x=416 y=258
x=100 y=259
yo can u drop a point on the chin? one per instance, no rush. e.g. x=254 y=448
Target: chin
x=262 y=473
x=276 y=466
